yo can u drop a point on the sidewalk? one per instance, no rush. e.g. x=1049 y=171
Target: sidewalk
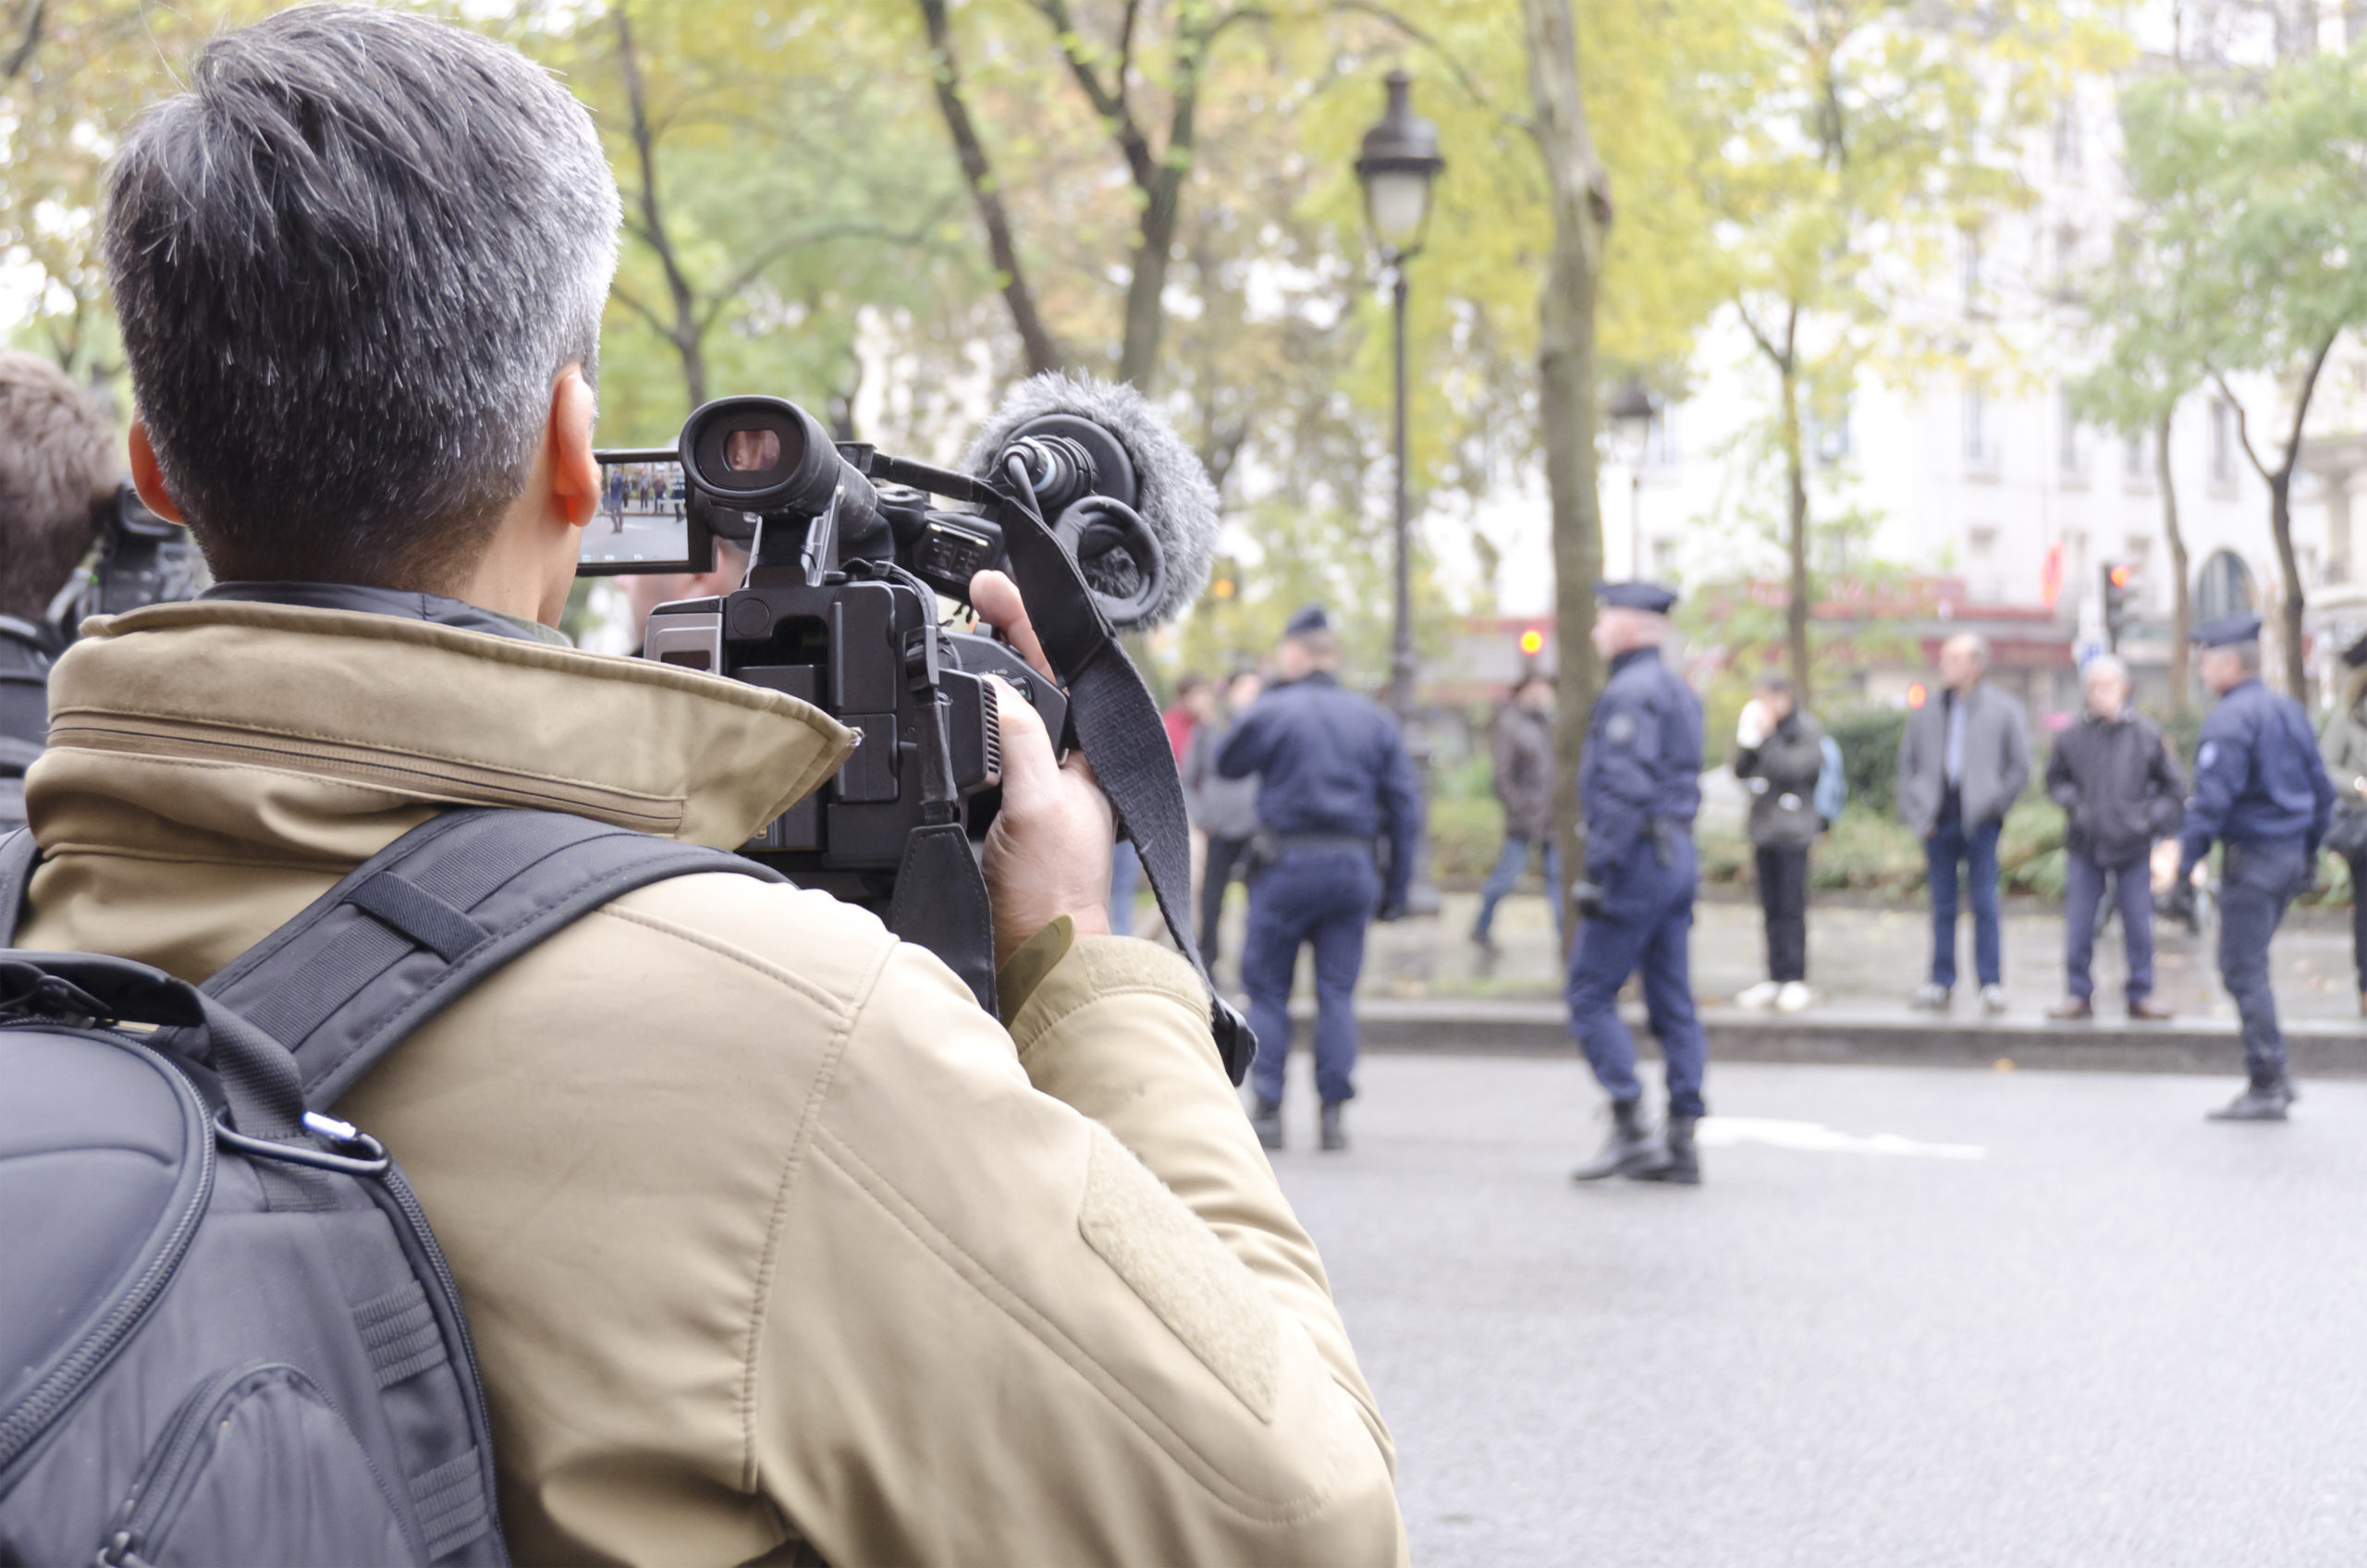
x=1426 y=987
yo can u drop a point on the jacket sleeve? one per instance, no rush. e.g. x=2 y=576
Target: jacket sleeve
x=1196 y=770
x=1909 y=767
x=2016 y=773
x=2166 y=786
x=1618 y=810
x=1401 y=808
x=1748 y=762
x=1113 y=1342
x=1248 y=746
x=2060 y=788
x=2322 y=803
x=2221 y=763
x=1504 y=755
x=2338 y=746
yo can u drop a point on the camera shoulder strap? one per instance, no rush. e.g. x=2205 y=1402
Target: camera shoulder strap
x=1112 y=718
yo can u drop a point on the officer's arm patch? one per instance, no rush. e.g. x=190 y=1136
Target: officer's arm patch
x=1620 y=728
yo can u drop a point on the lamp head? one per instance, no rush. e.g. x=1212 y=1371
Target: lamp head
x=1399 y=159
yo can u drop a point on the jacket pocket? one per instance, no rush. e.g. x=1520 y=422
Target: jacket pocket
x=257 y=1468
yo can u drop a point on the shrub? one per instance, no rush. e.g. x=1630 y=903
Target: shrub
x=1869 y=742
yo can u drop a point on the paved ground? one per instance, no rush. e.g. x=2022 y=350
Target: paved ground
x=1915 y=1317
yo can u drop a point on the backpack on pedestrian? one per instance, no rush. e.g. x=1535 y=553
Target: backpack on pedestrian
x=227 y=1334
x=1832 y=783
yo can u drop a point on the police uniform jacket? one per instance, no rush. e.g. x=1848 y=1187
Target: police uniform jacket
x=1329 y=763
x=2258 y=778
x=1642 y=767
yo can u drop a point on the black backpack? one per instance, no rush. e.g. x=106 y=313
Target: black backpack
x=226 y=1335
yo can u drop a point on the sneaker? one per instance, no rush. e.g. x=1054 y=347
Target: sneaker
x=1760 y=996
x=1993 y=1000
x=1929 y=996
x=2264 y=1099
x=1794 y=996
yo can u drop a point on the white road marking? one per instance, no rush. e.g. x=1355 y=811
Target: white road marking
x=1814 y=1137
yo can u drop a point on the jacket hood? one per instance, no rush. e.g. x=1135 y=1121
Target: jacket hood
x=312 y=734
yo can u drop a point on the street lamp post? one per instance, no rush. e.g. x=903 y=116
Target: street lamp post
x=1631 y=417
x=1399 y=159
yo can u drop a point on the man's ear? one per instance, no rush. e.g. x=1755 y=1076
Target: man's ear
x=148 y=479
x=575 y=473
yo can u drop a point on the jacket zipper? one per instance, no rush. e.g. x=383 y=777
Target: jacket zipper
x=28 y=1419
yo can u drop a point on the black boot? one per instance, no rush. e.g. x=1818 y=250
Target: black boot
x=1268 y=1120
x=2264 y=1099
x=1633 y=1150
x=1683 y=1166
x=1335 y=1137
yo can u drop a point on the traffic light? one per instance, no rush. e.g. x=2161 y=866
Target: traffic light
x=2120 y=588
x=1532 y=642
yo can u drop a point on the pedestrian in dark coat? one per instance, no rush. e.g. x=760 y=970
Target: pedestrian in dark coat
x=1963 y=758
x=1224 y=810
x=1778 y=752
x=2114 y=776
x=2344 y=747
x=1523 y=745
x=2261 y=789
x=1640 y=789
x=1335 y=781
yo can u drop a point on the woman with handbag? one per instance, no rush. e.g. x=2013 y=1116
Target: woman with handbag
x=2344 y=747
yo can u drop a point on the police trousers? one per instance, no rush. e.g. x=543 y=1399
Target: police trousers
x=1322 y=898
x=2257 y=881
x=1648 y=929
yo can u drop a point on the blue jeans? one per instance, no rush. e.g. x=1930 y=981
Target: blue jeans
x=2083 y=889
x=1125 y=880
x=2257 y=880
x=1949 y=844
x=1655 y=939
x=1509 y=865
x=1323 y=898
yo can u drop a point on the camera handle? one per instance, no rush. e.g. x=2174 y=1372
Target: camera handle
x=1114 y=719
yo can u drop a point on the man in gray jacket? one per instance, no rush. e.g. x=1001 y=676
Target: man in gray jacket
x=1963 y=759
x=1224 y=810
x=1523 y=745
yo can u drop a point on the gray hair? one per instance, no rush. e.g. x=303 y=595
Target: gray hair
x=349 y=263
x=59 y=463
x=2105 y=664
x=1974 y=641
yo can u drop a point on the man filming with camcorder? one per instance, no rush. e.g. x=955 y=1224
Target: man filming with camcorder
x=775 y=1243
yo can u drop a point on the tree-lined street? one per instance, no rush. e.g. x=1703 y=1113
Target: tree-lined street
x=1923 y=1317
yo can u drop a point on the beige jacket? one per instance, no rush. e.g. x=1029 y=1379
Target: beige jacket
x=764 y=1230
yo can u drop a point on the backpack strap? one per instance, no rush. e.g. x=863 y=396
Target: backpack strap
x=19 y=855
x=408 y=931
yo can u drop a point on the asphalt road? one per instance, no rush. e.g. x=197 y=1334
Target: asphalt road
x=1914 y=1316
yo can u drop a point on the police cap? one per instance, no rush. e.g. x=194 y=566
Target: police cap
x=2226 y=631
x=1637 y=595
x=1311 y=619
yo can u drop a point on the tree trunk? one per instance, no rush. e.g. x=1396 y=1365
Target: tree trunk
x=1147 y=289
x=1800 y=601
x=2181 y=607
x=1581 y=206
x=1036 y=340
x=2280 y=523
x=684 y=332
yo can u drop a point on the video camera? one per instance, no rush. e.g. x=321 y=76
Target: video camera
x=1078 y=490
x=141 y=560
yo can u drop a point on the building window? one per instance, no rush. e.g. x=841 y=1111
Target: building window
x=2223 y=441
x=1969 y=277
x=2066 y=134
x=2066 y=261
x=1659 y=439
x=2224 y=587
x=2068 y=450
x=2134 y=459
x=1980 y=441
x=1828 y=439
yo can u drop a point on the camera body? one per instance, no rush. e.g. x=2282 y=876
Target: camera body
x=849 y=558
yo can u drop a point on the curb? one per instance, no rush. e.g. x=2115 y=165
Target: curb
x=2320 y=1048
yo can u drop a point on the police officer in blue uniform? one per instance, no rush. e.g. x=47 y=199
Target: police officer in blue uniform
x=1335 y=781
x=2259 y=788
x=1639 y=789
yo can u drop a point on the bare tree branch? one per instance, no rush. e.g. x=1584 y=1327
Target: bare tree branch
x=33 y=12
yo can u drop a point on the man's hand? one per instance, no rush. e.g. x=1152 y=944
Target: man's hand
x=1587 y=896
x=1048 y=854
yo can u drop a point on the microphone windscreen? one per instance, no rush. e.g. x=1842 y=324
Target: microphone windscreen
x=1174 y=495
